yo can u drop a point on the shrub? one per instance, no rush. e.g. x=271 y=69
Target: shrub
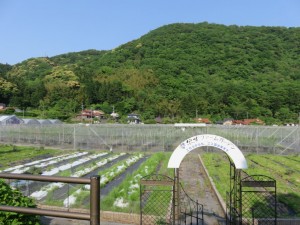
x=12 y=197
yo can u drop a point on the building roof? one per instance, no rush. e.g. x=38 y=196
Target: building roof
x=31 y=121
x=10 y=119
x=44 y=121
x=133 y=116
x=203 y=120
x=92 y=113
x=55 y=121
x=248 y=121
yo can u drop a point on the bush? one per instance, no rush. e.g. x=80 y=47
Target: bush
x=11 y=197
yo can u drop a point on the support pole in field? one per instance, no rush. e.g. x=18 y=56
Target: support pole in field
x=74 y=138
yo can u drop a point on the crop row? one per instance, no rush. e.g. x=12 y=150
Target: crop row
x=125 y=197
x=81 y=194
x=82 y=163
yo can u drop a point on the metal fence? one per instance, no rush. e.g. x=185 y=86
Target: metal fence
x=117 y=137
x=94 y=182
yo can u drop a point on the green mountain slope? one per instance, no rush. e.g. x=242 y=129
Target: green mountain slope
x=173 y=71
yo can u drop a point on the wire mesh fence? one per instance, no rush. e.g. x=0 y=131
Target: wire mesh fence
x=258 y=200
x=117 y=137
x=55 y=194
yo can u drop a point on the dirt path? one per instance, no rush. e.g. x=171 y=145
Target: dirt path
x=197 y=186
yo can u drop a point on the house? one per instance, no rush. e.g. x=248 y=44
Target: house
x=238 y=122
x=158 y=120
x=203 y=120
x=253 y=121
x=227 y=121
x=248 y=122
x=133 y=118
x=88 y=113
x=10 y=120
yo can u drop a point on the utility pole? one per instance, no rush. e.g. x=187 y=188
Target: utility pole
x=91 y=115
x=81 y=111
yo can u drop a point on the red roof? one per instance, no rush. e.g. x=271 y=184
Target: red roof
x=203 y=120
x=91 y=113
x=248 y=121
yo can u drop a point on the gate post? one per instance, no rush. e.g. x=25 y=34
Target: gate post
x=176 y=194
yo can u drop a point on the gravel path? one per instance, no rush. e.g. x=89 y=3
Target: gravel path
x=197 y=186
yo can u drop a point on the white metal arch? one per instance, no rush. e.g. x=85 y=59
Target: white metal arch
x=208 y=140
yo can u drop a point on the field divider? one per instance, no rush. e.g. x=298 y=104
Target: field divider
x=213 y=186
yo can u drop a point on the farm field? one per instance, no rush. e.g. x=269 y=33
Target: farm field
x=121 y=172
x=284 y=169
x=120 y=175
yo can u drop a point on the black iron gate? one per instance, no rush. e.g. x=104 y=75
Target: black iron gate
x=191 y=211
x=258 y=197
x=251 y=199
x=163 y=201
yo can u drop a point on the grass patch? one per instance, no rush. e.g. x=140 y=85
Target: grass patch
x=11 y=155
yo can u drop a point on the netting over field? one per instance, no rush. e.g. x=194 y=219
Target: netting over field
x=260 y=139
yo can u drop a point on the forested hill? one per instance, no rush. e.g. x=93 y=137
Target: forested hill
x=175 y=71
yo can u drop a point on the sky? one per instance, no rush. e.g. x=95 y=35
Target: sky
x=37 y=28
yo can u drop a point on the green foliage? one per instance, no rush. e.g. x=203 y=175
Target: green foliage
x=129 y=188
x=34 y=170
x=173 y=71
x=11 y=155
x=11 y=197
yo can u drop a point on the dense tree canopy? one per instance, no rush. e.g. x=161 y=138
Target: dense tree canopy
x=175 y=71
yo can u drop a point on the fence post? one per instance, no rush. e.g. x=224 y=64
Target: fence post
x=95 y=201
x=74 y=137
